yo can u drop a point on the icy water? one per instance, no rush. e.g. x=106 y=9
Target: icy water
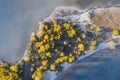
x=104 y=65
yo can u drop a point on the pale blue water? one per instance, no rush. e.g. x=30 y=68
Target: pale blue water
x=18 y=18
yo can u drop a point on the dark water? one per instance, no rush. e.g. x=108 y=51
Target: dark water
x=104 y=65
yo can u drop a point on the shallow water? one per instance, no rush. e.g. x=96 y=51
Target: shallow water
x=19 y=18
x=105 y=65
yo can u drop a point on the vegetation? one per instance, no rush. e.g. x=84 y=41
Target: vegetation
x=56 y=42
x=9 y=72
x=111 y=45
x=115 y=32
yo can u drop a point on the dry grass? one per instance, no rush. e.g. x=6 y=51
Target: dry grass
x=108 y=17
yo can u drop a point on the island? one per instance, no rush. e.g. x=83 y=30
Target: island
x=64 y=40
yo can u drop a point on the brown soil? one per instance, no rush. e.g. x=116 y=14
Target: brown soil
x=107 y=17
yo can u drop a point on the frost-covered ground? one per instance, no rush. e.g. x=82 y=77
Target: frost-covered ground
x=81 y=18
x=103 y=65
x=16 y=33
x=19 y=18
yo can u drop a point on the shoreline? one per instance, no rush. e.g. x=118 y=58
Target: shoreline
x=89 y=53
x=100 y=47
x=94 y=51
x=88 y=65
x=84 y=11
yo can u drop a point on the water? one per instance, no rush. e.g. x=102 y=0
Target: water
x=50 y=75
x=18 y=19
x=105 y=65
